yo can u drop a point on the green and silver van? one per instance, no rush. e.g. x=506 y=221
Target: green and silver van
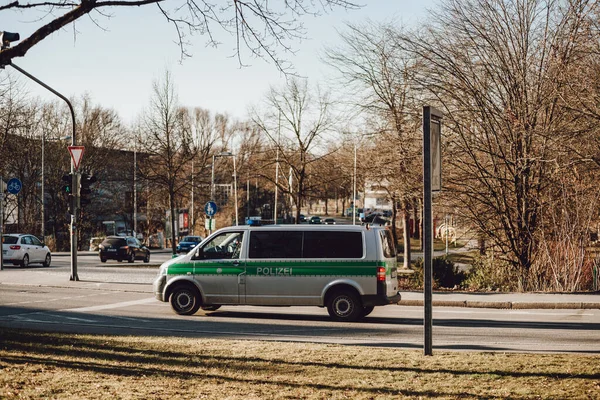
x=348 y=269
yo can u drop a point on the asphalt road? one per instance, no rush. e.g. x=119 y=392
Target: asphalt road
x=118 y=300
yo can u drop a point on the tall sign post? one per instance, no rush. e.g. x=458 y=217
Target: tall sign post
x=2 y=189
x=13 y=186
x=432 y=182
x=210 y=208
x=76 y=156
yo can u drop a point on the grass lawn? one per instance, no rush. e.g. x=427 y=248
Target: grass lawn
x=68 y=366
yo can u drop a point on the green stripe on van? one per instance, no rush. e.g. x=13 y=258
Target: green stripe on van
x=281 y=268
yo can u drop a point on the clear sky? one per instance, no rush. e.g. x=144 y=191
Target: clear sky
x=116 y=66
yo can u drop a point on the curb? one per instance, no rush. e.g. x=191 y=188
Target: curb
x=509 y=305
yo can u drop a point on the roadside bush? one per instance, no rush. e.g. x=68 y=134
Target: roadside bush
x=445 y=274
x=491 y=274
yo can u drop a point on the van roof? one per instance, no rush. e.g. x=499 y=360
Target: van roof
x=305 y=227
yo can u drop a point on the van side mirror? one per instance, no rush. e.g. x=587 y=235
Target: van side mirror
x=198 y=254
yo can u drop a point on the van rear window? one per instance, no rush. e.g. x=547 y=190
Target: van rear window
x=308 y=244
x=323 y=244
x=269 y=244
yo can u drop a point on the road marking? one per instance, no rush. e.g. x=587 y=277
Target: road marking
x=113 y=305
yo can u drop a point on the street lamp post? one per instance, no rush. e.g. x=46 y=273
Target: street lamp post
x=74 y=182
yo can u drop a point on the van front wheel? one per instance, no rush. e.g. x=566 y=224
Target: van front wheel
x=185 y=300
x=345 y=306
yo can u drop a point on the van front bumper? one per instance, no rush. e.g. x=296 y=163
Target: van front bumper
x=159 y=286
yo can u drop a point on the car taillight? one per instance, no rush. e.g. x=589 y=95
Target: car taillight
x=381 y=274
x=15 y=247
x=125 y=247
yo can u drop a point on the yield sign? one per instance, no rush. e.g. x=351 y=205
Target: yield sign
x=76 y=155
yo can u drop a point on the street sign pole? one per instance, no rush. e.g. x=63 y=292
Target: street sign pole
x=1 y=221
x=431 y=166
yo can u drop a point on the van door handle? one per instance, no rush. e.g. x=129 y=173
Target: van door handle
x=235 y=263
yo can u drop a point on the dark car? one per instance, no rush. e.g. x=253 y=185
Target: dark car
x=302 y=218
x=188 y=243
x=315 y=219
x=123 y=248
x=329 y=221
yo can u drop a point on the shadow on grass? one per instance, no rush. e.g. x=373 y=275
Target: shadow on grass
x=41 y=347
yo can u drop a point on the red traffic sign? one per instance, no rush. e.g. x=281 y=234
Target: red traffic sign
x=76 y=155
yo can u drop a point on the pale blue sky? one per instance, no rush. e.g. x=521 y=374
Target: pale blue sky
x=117 y=66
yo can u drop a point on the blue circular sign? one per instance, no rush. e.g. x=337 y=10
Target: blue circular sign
x=210 y=208
x=14 y=186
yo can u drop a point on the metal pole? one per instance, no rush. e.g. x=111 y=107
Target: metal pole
x=135 y=191
x=248 y=198
x=277 y=169
x=235 y=191
x=43 y=203
x=427 y=232
x=192 y=210
x=212 y=190
x=1 y=220
x=75 y=181
x=354 y=191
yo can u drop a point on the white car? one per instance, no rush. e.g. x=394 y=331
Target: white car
x=22 y=249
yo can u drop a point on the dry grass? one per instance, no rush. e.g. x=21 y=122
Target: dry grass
x=59 y=366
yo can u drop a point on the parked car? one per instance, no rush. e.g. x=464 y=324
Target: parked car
x=329 y=221
x=23 y=249
x=375 y=218
x=188 y=243
x=95 y=242
x=123 y=248
x=315 y=219
x=302 y=218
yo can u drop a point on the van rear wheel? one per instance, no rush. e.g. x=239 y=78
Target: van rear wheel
x=345 y=306
x=185 y=300
x=368 y=310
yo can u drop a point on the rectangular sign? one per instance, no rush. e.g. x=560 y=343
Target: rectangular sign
x=436 y=154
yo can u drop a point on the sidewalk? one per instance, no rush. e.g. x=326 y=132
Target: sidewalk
x=505 y=300
x=42 y=278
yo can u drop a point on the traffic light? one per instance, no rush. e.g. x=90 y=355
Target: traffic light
x=84 y=188
x=67 y=187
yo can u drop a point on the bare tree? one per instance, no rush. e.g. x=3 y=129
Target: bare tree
x=494 y=67
x=296 y=121
x=262 y=28
x=380 y=75
x=167 y=138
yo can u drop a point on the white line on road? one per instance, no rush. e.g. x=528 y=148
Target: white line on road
x=113 y=305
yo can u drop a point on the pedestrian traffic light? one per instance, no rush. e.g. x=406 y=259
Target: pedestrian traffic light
x=84 y=188
x=67 y=187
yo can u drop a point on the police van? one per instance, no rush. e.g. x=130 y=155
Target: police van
x=348 y=269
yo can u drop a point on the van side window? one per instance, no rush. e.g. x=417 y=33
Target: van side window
x=275 y=244
x=332 y=244
x=387 y=244
x=224 y=246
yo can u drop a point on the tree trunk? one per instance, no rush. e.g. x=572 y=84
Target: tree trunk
x=406 y=226
x=172 y=207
